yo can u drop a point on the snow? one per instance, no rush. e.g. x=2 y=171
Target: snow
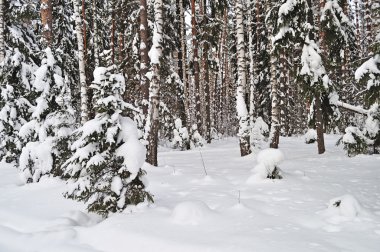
x=191 y=212
x=311 y=136
x=293 y=214
x=267 y=161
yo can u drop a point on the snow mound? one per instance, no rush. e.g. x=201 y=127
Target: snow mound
x=191 y=212
x=343 y=208
x=310 y=136
x=267 y=165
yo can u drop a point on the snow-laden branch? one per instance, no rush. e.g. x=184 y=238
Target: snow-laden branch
x=334 y=100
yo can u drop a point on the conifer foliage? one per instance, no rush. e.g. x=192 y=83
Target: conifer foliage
x=105 y=168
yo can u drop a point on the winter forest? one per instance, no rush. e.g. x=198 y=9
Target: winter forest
x=189 y=125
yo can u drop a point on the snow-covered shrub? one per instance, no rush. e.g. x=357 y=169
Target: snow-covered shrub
x=180 y=136
x=196 y=140
x=311 y=136
x=367 y=140
x=46 y=135
x=267 y=167
x=343 y=208
x=259 y=133
x=105 y=169
x=354 y=141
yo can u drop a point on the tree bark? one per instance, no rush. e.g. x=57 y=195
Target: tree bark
x=81 y=59
x=275 y=115
x=96 y=34
x=319 y=125
x=155 y=85
x=242 y=112
x=144 y=58
x=47 y=22
x=2 y=47
x=198 y=112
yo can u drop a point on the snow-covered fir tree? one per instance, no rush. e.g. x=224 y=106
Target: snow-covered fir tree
x=46 y=135
x=105 y=168
x=16 y=74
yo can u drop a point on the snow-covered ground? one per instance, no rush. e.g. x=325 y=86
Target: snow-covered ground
x=194 y=212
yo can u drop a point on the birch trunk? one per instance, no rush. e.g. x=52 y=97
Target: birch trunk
x=155 y=55
x=275 y=99
x=2 y=47
x=144 y=58
x=242 y=112
x=47 y=22
x=81 y=59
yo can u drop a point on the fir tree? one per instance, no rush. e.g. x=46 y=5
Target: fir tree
x=16 y=74
x=105 y=168
x=46 y=134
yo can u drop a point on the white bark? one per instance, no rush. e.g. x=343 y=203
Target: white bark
x=2 y=49
x=82 y=72
x=154 y=91
x=241 y=106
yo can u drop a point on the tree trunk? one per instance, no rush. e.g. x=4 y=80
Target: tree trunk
x=319 y=125
x=242 y=112
x=96 y=33
x=47 y=22
x=2 y=47
x=275 y=113
x=144 y=58
x=184 y=62
x=81 y=59
x=155 y=55
x=198 y=112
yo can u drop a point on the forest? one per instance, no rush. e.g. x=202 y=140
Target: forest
x=98 y=96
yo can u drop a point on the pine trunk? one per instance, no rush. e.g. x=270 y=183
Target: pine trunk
x=198 y=112
x=144 y=58
x=47 y=21
x=154 y=91
x=242 y=112
x=81 y=59
x=319 y=125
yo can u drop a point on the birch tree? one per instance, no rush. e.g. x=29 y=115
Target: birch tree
x=241 y=107
x=81 y=60
x=155 y=54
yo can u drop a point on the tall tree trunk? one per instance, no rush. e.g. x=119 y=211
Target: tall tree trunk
x=81 y=59
x=368 y=21
x=154 y=91
x=318 y=106
x=206 y=81
x=251 y=67
x=275 y=114
x=2 y=47
x=198 y=112
x=47 y=22
x=144 y=58
x=184 y=62
x=96 y=33
x=242 y=112
x=319 y=125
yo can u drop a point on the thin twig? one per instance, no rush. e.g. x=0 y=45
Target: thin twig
x=203 y=162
